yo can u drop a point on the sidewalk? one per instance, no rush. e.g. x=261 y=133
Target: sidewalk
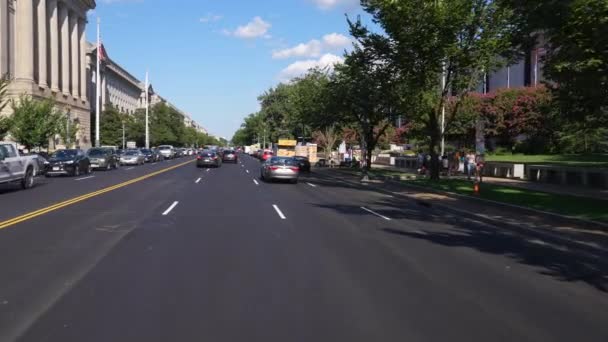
x=534 y=186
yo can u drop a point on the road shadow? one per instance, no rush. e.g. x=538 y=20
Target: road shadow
x=549 y=259
x=551 y=256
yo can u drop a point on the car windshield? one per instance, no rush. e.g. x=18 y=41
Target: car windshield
x=131 y=153
x=95 y=152
x=61 y=154
x=146 y=151
x=207 y=154
x=164 y=148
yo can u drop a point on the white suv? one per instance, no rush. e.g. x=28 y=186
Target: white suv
x=167 y=151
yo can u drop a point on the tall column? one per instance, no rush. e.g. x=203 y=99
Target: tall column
x=65 y=49
x=3 y=38
x=42 y=62
x=74 y=66
x=24 y=35
x=54 y=43
x=83 y=59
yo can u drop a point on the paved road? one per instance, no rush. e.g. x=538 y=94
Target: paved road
x=231 y=258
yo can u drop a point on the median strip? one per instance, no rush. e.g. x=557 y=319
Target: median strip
x=39 y=212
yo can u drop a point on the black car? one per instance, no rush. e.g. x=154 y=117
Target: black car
x=149 y=155
x=68 y=162
x=179 y=152
x=303 y=162
x=103 y=158
x=208 y=159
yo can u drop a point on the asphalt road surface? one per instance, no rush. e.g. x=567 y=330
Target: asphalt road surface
x=169 y=252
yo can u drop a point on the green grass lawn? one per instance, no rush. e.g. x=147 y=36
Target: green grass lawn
x=580 y=207
x=586 y=208
x=585 y=160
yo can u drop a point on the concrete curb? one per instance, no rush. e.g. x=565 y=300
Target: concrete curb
x=603 y=225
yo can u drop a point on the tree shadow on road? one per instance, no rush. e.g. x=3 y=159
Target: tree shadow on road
x=551 y=257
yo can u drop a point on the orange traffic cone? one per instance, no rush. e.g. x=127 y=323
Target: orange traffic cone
x=476 y=188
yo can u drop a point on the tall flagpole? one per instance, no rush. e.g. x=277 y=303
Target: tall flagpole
x=98 y=87
x=147 y=110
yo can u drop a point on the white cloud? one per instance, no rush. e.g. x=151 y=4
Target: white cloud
x=210 y=17
x=256 y=28
x=315 y=47
x=329 y=4
x=299 y=68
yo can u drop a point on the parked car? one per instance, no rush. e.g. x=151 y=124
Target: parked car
x=304 y=163
x=208 y=159
x=150 y=156
x=17 y=168
x=132 y=157
x=72 y=162
x=167 y=151
x=284 y=168
x=230 y=156
x=103 y=158
x=179 y=152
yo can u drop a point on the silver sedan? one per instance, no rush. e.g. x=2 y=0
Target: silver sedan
x=284 y=168
x=132 y=157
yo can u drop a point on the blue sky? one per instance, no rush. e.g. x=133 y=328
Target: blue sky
x=212 y=58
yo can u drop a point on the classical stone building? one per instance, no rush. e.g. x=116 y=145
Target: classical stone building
x=119 y=88
x=43 y=50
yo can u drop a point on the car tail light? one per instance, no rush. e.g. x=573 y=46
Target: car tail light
x=215 y=158
x=273 y=168
x=295 y=168
x=199 y=157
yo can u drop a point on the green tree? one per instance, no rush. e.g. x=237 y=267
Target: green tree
x=5 y=122
x=110 y=127
x=35 y=122
x=460 y=39
x=364 y=92
x=166 y=125
x=68 y=131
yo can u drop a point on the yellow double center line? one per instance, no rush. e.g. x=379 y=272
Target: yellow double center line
x=66 y=203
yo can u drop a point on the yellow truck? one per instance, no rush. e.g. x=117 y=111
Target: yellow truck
x=286 y=148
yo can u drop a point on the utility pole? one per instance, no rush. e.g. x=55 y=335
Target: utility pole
x=443 y=80
x=97 y=86
x=147 y=114
x=123 y=134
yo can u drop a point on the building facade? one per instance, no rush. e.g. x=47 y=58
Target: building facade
x=119 y=88
x=43 y=51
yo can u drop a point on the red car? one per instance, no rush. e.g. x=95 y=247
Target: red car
x=266 y=155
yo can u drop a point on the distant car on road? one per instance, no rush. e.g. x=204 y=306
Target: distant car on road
x=167 y=151
x=150 y=156
x=132 y=157
x=283 y=168
x=266 y=155
x=103 y=158
x=72 y=162
x=17 y=168
x=208 y=159
x=304 y=163
x=230 y=156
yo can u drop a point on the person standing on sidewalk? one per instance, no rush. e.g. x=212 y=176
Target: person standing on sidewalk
x=471 y=165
